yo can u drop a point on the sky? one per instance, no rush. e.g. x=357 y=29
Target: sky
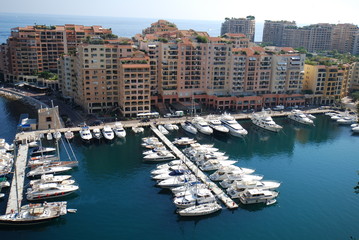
x=301 y=11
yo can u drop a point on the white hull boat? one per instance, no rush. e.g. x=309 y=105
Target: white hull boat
x=202 y=126
x=85 y=134
x=300 y=117
x=201 y=196
x=184 y=141
x=216 y=125
x=163 y=130
x=50 y=178
x=49 y=190
x=163 y=155
x=200 y=210
x=252 y=196
x=211 y=165
x=41 y=150
x=235 y=129
x=47 y=170
x=108 y=133
x=49 y=136
x=177 y=181
x=69 y=135
x=347 y=120
x=170 y=174
x=96 y=132
x=119 y=131
x=188 y=127
x=168 y=170
x=171 y=127
x=138 y=129
x=239 y=186
x=57 y=135
x=265 y=121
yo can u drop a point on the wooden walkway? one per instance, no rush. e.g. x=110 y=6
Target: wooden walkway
x=17 y=184
x=212 y=186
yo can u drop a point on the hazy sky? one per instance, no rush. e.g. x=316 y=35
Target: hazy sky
x=301 y=11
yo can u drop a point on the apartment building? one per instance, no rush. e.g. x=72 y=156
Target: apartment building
x=354 y=77
x=327 y=83
x=343 y=37
x=34 y=49
x=239 y=25
x=273 y=31
x=160 y=26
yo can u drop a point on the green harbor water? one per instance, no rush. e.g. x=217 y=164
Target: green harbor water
x=118 y=200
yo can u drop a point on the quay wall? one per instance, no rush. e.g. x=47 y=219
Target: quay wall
x=20 y=96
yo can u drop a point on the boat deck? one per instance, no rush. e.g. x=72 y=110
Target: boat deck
x=16 y=189
x=212 y=186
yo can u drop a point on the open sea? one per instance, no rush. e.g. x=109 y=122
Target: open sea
x=118 y=200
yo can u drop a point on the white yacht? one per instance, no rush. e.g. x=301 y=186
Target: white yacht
x=201 y=196
x=163 y=130
x=216 y=124
x=168 y=170
x=184 y=141
x=57 y=135
x=119 y=131
x=355 y=128
x=108 y=133
x=49 y=136
x=235 y=129
x=50 y=178
x=170 y=127
x=46 y=170
x=154 y=150
x=257 y=196
x=264 y=120
x=234 y=175
x=69 y=135
x=162 y=155
x=347 y=120
x=170 y=174
x=96 y=132
x=42 y=150
x=177 y=181
x=137 y=129
x=187 y=186
x=239 y=186
x=211 y=165
x=300 y=117
x=202 y=126
x=49 y=190
x=85 y=133
x=187 y=126
x=200 y=210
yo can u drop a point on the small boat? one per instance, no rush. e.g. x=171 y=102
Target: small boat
x=177 y=181
x=201 y=196
x=154 y=150
x=119 y=131
x=138 y=129
x=170 y=164
x=49 y=190
x=234 y=176
x=200 y=210
x=57 y=135
x=159 y=171
x=33 y=144
x=96 y=133
x=310 y=116
x=163 y=130
x=170 y=127
x=202 y=126
x=4 y=182
x=251 y=196
x=188 y=127
x=355 y=128
x=49 y=136
x=50 y=178
x=85 y=134
x=46 y=170
x=43 y=157
x=69 y=135
x=235 y=129
x=41 y=150
x=347 y=120
x=34 y=214
x=162 y=155
x=108 y=133
x=170 y=174
x=211 y=165
x=184 y=141
x=238 y=187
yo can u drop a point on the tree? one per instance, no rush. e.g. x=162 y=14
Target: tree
x=355 y=96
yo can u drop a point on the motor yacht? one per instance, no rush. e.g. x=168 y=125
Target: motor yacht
x=85 y=134
x=162 y=155
x=96 y=132
x=170 y=127
x=177 y=181
x=119 y=131
x=299 y=116
x=188 y=127
x=163 y=130
x=238 y=187
x=177 y=172
x=46 y=170
x=235 y=129
x=50 y=178
x=264 y=120
x=347 y=120
x=108 y=133
x=69 y=135
x=200 y=196
x=251 y=196
x=202 y=126
x=137 y=129
x=216 y=124
x=184 y=141
x=355 y=128
x=49 y=190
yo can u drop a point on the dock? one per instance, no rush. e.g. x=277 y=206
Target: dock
x=212 y=186
x=17 y=184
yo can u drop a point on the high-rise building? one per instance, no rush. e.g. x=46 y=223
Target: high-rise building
x=35 y=49
x=354 y=77
x=273 y=31
x=240 y=25
x=343 y=36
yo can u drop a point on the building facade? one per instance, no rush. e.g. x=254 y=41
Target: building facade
x=273 y=31
x=240 y=25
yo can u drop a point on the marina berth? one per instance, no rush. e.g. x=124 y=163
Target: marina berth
x=299 y=116
x=233 y=176
x=49 y=136
x=170 y=164
x=202 y=126
x=251 y=196
x=34 y=214
x=200 y=210
x=235 y=129
x=85 y=134
x=108 y=133
x=188 y=127
x=119 y=131
x=6 y=163
x=264 y=120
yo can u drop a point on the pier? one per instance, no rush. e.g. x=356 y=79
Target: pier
x=212 y=186
x=17 y=184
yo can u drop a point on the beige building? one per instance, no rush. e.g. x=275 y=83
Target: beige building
x=273 y=31
x=343 y=37
x=354 y=77
x=48 y=118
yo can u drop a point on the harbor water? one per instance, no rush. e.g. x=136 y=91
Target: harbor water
x=118 y=200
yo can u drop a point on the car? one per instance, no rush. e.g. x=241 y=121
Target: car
x=145 y=120
x=82 y=124
x=167 y=115
x=96 y=123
